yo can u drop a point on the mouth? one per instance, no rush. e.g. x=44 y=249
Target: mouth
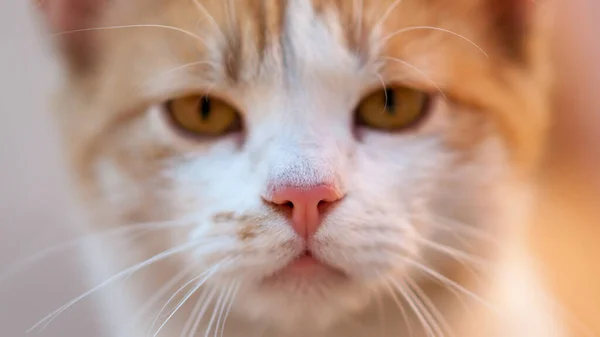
x=307 y=265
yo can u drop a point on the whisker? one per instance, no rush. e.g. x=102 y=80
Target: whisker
x=215 y=309
x=358 y=7
x=161 y=256
x=176 y=29
x=205 y=276
x=194 y=314
x=203 y=10
x=398 y=302
x=233 y=296
x=205 y=306
x=214 y=65
x=455 y=225
x=22 y=264
x=458 y=296
x=454 y=253
x=384 y=17
x=449 y=282
x=424 y=310
x=222 y=309
x=161 y=292
x=422 y=73
x=412 y=28
x=384 y=86
x=413 y=306
x=435 y=313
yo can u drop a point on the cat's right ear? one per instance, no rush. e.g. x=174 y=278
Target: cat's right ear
x=71 y=23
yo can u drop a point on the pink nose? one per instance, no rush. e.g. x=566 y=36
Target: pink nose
x=305 y=203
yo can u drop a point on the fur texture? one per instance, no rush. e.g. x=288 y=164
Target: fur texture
x=428 y=235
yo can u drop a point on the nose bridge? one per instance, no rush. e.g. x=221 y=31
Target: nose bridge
x=296 y=139
x=303 y=164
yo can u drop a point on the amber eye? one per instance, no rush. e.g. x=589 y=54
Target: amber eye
x=203 y=115
x=392 y=109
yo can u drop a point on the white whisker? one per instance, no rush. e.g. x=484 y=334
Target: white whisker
x=385 y=15
x=412 y=28
x=457 y=226
x=161 y=256
x=233 y=296
x=222 y=309
x=454 y=253
x=205 y=276
x=205 y=306
x=448 y=282
x=358 y=7
x=214 y=313
x=81 y=240
x=181 y=67
x=384 y=86
x=195 y=312
x=161 y=292
x=412 y=304
x=426 y=314
x=203 y=10
x=422 y=73
x=176 y=29
x=398 y=302
x=436 y=315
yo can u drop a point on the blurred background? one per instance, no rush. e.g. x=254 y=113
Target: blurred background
x=36 y=208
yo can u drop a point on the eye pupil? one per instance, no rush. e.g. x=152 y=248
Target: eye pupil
x=205 y=108
x=390 y=101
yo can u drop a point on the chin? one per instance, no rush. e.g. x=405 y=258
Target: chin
x=306 y=295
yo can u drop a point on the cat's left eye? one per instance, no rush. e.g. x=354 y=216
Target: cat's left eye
x=392 y=109
x=204 y=115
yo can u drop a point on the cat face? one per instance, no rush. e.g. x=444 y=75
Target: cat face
x=359 y=134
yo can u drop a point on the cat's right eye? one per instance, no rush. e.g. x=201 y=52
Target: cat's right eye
x=203 y=115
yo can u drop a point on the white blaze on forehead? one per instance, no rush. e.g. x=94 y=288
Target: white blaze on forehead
x=315 y=44
x=302 y=130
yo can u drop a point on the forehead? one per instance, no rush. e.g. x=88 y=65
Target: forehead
x=243 y=40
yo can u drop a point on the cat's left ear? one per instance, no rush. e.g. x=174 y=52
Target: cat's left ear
x=68 y=21
x=513 y=21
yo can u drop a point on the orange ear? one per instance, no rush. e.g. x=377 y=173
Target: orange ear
x=65 y=19
x=511 y=21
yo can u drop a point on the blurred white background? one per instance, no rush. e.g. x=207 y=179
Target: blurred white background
x=35 y=208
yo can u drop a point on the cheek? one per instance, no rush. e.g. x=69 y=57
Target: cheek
x=399 y=169
x=220 y=191
x=475 y=192
x=214 y=183
x=391 y=184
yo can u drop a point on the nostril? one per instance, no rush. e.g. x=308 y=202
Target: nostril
x=325 y=205
x=305 y=205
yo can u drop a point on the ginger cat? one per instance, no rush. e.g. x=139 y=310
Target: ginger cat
x=329 y=168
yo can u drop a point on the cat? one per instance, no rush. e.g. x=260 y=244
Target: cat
x=329 y=168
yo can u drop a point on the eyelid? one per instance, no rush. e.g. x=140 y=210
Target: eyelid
x=221 y=95
x=165 y=109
